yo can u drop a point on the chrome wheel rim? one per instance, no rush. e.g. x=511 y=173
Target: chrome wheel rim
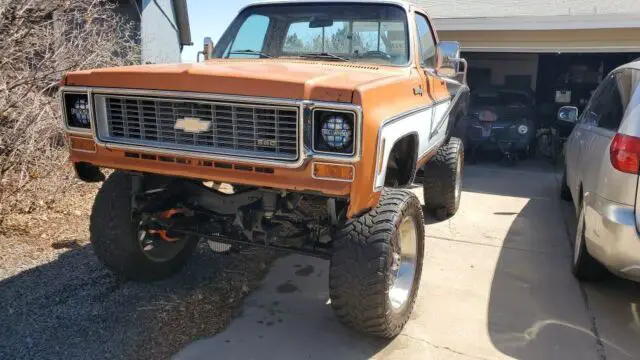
x=403 y=265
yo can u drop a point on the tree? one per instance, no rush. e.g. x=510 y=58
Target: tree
x=339 y=41
x=294 y=44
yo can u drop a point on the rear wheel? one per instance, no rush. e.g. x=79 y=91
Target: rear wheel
x=124 y=245
x=442 y=186
x=584 y=266
x=376 y=265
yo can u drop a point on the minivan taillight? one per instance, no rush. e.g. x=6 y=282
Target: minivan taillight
x=625 y=153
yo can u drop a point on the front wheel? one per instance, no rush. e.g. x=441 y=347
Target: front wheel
x=376 y=265
x=126 y=247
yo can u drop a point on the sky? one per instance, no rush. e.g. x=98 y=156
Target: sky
x=209 y=18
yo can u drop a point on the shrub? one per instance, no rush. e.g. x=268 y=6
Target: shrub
x=41 y=40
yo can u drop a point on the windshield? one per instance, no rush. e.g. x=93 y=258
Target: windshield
x=499 y=98
x=332 y=32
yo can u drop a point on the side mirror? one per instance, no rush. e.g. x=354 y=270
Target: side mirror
x=568 y=114
x=207 y=49
x=449 y=60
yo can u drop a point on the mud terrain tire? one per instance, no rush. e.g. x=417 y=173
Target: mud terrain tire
x=442 y=185
x=362 y=271
x=114 y=235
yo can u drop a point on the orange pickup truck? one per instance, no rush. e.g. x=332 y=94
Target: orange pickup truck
x=300 y=131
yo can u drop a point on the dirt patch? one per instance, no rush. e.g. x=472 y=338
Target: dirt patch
x=62 y=303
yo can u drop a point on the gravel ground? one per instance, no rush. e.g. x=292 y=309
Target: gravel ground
x=58 y=302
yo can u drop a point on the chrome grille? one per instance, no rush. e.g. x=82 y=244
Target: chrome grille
x=232 y=129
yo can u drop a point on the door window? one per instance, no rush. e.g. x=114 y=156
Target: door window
x=427 y=42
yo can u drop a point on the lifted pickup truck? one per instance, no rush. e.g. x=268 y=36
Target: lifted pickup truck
x=300 y=131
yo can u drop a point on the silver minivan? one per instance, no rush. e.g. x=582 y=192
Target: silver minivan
x=601 y=176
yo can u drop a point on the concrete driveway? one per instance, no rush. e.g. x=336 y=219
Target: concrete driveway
x=496 y=284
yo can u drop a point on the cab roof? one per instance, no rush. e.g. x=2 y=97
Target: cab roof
x=402 y=3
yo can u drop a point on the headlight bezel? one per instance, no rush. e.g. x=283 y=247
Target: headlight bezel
x=69 y=100
x=318 y=116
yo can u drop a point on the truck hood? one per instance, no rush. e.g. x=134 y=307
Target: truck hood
x=277 y=78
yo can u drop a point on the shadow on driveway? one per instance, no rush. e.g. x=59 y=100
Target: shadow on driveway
x=287 y=317
x=537 y=310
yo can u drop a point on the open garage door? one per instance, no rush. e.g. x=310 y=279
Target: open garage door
x=547 y=41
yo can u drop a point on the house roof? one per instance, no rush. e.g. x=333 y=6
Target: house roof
x=525 y=8
x=532 y=14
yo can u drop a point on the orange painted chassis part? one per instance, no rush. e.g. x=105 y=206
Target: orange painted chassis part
x=163 y=233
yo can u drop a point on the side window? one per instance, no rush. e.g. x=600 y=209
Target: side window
x=609 y=102
x=251 y=36
x=618 y=98
x=426 y=41
x=597 y=104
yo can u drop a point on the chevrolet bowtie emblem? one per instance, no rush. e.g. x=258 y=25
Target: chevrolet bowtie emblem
x=192 y=125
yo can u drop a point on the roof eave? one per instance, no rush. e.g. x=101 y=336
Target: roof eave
x=569 y=22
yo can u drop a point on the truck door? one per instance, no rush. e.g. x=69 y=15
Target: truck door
x=428 y=60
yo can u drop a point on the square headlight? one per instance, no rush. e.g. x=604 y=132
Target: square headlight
x=334 y=132
x=77 y=110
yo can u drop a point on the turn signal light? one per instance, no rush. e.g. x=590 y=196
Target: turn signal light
x=625 y=153
x=333 y=172
x=82 y=144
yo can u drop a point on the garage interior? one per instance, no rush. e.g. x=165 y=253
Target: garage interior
x=557 y=79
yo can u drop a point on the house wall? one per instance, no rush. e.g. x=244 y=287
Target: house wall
x=159 y=29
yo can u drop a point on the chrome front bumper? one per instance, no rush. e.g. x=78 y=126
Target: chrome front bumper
x=612 y=236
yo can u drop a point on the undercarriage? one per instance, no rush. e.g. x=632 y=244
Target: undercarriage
x=235 y=215
x=145 y=227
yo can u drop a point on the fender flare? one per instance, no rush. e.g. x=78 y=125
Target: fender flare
x=457 y=110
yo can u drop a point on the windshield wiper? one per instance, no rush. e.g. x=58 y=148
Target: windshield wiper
x=250 y=52
x=327 y=56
